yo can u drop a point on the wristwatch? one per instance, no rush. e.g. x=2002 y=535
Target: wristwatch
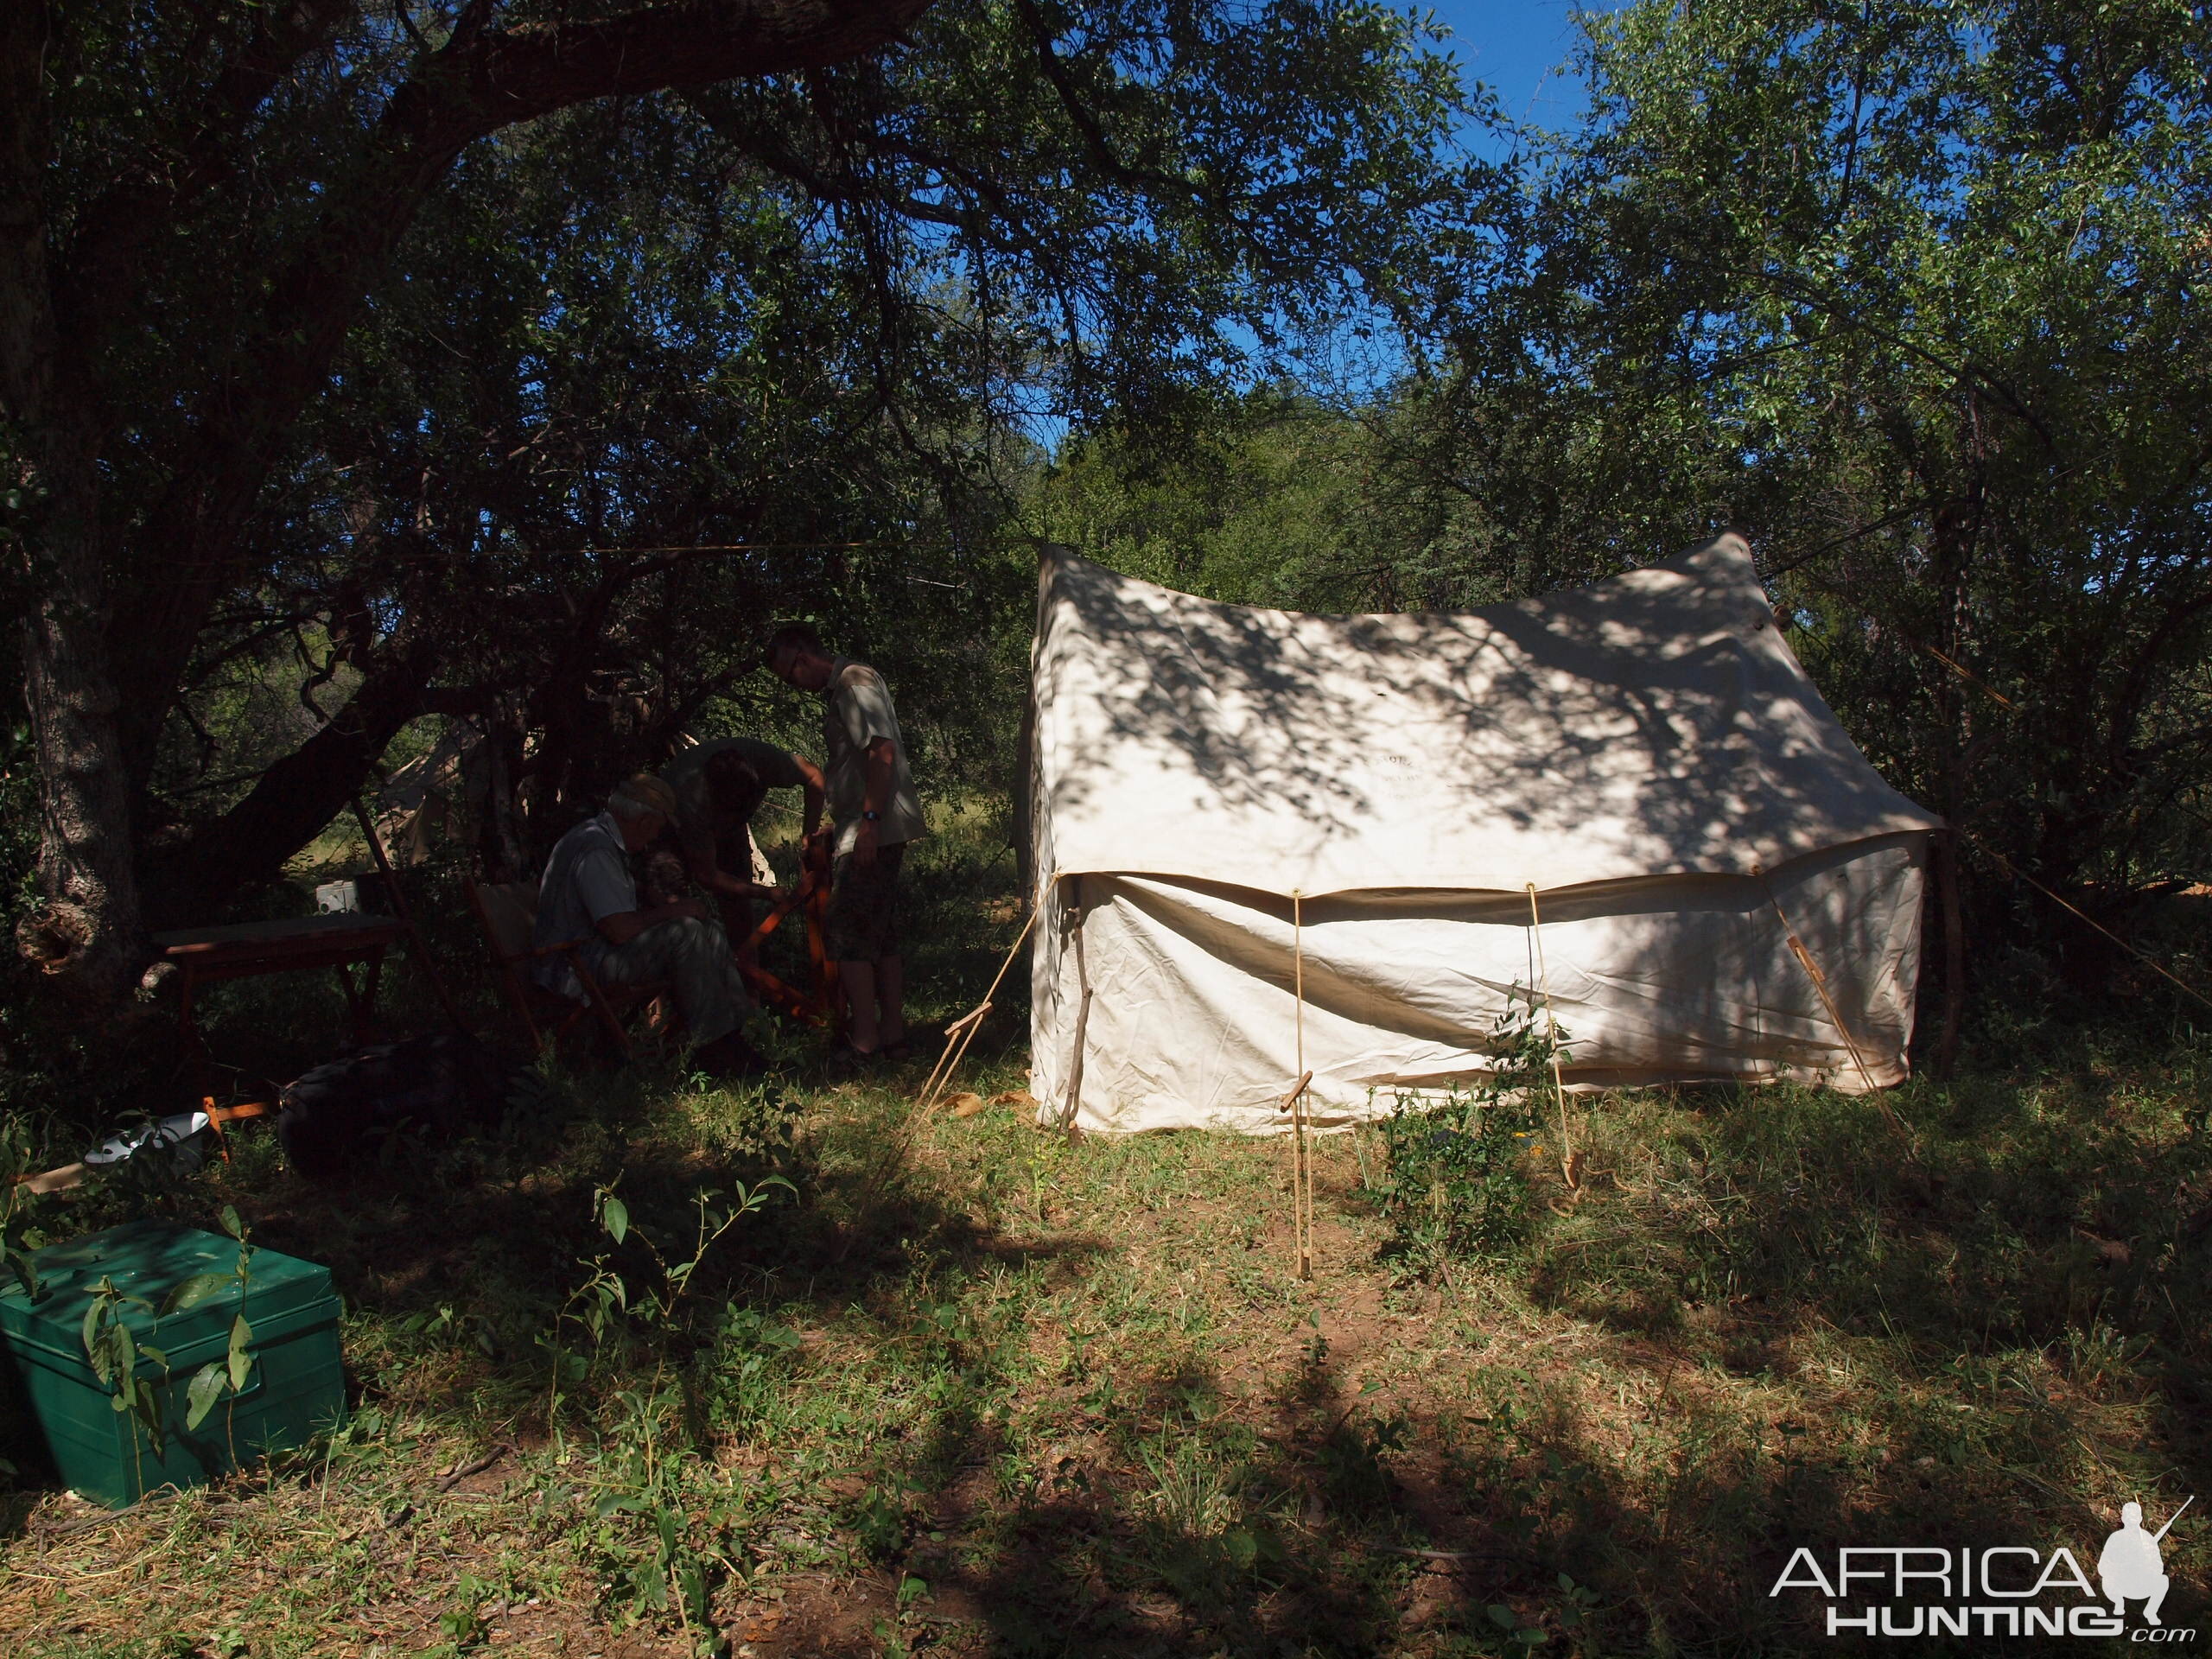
x=871 y=818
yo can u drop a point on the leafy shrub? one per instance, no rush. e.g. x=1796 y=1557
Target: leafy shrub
x=1456 y=1176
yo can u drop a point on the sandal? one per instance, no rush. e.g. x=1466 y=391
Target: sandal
x=845 y=1060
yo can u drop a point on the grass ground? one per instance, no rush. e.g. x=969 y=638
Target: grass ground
x=963 y=1386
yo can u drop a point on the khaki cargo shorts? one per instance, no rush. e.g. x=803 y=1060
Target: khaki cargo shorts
x=863 y=921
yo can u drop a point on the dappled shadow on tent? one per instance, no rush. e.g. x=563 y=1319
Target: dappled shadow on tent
x=1650 y=724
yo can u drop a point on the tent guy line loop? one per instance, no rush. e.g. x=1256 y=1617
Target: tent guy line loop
x=1569 y=1164
x=961 y=1032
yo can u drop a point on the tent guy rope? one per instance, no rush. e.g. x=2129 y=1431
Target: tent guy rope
x=2014 y=870
x=2018 y=874
x=1301 y=1160
x=1569 y=1164
x=961 y=1032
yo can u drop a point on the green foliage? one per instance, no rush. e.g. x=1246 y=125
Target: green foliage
x=1273 y=501
x=114 y=1352
x=20 y=1239
x=1456 y=1176
x=227 y=1375
x=639 y=1476
x=1914 y=295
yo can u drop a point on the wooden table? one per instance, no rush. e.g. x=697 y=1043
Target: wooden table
x=246 y=950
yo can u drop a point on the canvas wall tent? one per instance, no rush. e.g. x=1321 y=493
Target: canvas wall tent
x=1647 y=753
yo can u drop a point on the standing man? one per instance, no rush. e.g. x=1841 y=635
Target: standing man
x=719 y=786
x=872 y=804
x=588 y=898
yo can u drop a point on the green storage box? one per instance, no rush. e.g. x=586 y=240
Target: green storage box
x=296 y=1387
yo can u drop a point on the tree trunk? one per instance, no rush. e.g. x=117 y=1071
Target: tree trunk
x=85 y=933
x=294 y=799
x=1954 y=949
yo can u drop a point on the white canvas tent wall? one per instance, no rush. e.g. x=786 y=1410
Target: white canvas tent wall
x=1646 y=752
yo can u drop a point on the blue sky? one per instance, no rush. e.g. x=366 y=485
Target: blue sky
x=1514 y=46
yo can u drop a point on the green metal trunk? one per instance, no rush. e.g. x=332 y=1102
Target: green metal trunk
x=295 y=1388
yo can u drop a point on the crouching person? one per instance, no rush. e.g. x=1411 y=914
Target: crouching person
x=588 y=897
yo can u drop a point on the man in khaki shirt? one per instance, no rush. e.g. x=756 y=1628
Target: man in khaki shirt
x=876 y=813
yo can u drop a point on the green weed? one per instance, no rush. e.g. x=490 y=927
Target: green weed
x=1455 y=1179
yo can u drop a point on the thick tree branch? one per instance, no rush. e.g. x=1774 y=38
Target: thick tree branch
x=101 y=293
x=763 y=143
x=478 y=83
x=293 y=798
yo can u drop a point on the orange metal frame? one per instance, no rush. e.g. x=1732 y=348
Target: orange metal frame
x=810 y=898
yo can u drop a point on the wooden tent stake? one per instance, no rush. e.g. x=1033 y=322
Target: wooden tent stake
x=1301 y=1228
x=964 y=1027
x=1567 y=1166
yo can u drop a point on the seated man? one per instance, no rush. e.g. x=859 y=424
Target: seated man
x=718 y=787
x=587 y=897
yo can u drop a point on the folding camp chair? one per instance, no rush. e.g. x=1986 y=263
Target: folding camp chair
x=508 y=912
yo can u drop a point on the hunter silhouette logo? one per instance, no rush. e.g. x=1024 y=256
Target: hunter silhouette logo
x=2009 y=1589
x=2131 y=1565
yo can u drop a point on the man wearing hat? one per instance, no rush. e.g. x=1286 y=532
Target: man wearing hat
x=587 y=897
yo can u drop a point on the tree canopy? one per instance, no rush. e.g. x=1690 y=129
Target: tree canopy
x=440 y=359
x=328 y=319
x=1917 y=295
